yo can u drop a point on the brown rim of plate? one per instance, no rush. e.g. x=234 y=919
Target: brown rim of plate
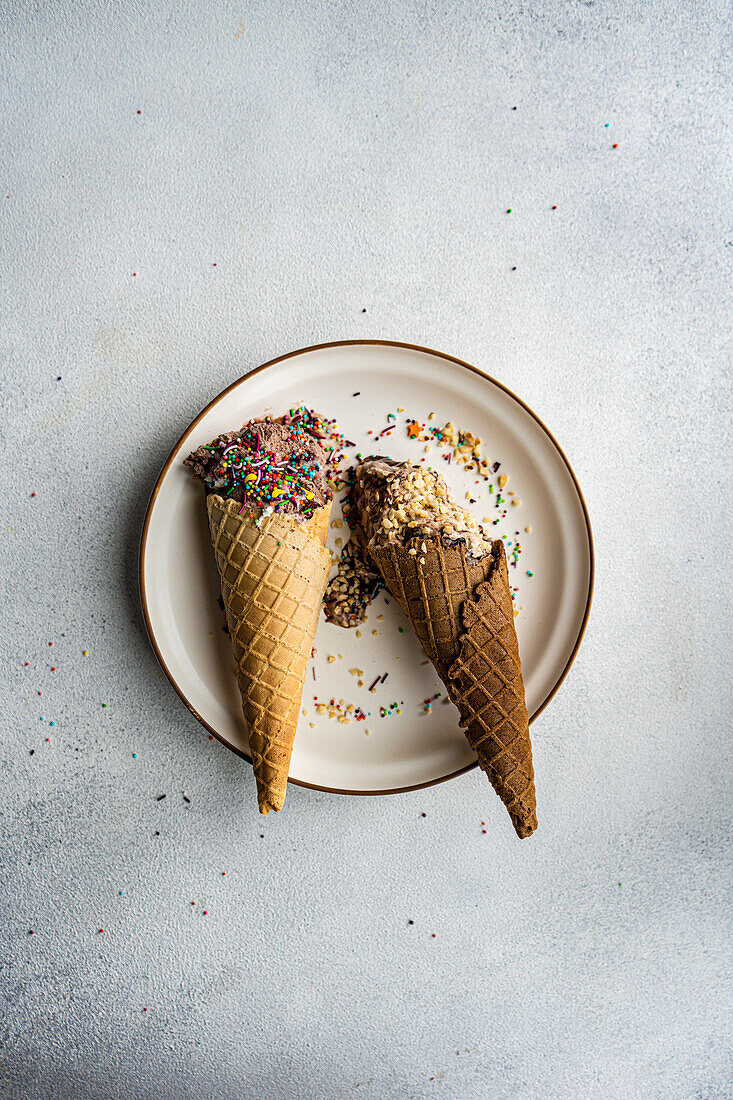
x=344 y=344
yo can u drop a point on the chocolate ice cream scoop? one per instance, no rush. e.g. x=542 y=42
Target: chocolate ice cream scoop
x=272 y=464
x=396 y=501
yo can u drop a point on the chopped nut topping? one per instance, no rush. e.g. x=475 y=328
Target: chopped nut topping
x=398 y=501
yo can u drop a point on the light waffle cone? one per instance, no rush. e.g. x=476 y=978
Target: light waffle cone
x=273 y=576
x=461 y=610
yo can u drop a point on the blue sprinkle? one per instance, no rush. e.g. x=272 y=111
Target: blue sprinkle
x=42 y=719
x=134 y=756
x=52 y=723
x=122 y=893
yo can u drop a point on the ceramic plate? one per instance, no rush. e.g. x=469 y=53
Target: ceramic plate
x=402 y=744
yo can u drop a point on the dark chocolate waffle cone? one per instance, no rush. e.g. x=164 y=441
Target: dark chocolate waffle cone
x=273 y=575
x=461 y=610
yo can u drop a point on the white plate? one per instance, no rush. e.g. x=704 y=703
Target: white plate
x=179 y=584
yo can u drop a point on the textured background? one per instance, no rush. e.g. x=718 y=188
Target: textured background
x=331 y=158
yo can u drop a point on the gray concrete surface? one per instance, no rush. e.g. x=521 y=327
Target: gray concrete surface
x=331 y=158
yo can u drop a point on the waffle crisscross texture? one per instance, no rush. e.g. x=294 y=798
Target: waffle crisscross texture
x=273 y=577
x=461 y=610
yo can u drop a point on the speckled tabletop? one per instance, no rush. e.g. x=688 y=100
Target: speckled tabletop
x=189 y=190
